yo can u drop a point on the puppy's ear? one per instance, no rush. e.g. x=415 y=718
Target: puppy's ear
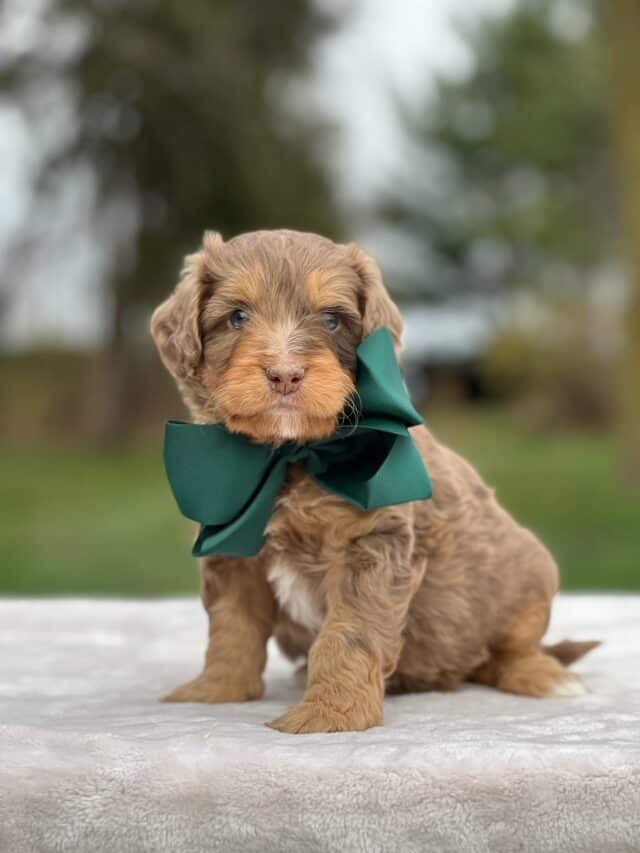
x=175 y=324
x=376 y=306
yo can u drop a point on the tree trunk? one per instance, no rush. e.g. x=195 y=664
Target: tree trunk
x=112 y=421
x=623 y=32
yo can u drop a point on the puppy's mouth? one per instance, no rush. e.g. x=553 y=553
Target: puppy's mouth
x=285 y=420
x=291 y=402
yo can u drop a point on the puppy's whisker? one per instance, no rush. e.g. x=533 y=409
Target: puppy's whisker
x=351 y=413
x=356 y=399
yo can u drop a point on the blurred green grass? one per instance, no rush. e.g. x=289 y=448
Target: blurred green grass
x=569 y=488
x=99 y=524
x=88 y=523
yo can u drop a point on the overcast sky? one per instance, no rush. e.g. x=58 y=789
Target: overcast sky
x=385 y=46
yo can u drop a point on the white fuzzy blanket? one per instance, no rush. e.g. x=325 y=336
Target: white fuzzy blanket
x=90 y=761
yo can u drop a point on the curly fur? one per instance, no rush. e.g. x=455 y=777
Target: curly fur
x=414 y=597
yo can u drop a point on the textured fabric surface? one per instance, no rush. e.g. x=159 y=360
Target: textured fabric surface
x=90 y=761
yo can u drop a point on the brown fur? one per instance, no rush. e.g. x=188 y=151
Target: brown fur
x=413 y=597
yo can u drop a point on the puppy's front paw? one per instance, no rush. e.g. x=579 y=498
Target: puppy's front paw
x=216 y=688
x=309 y=716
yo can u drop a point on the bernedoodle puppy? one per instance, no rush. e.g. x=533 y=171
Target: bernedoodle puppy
x=260 y=335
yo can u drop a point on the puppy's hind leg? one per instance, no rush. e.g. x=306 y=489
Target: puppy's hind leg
x=519 y=664
x=534 y=674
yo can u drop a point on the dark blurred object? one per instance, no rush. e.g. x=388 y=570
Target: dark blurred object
x=623 y=27
x=178 y=113
x=55 y=397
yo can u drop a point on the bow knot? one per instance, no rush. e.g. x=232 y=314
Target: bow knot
x=230 y=485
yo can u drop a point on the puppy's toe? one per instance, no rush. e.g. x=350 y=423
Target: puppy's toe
x=307 y=718
x=313 y=717
x=206 y=688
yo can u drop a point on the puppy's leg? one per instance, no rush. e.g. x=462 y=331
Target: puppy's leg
x=518 y=664
x=368 y=594
x=535 y=674
x=294 y=640
x=242 y=610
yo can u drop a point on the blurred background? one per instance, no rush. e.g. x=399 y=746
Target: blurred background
x=487 y=153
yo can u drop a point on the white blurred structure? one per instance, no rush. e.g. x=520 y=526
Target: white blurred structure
x=449 y=339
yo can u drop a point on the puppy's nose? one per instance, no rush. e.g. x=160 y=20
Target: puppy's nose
x=284 y=380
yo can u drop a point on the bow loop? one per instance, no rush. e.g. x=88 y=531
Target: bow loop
x=381 y=385
x=195 y=457
x=230 y=485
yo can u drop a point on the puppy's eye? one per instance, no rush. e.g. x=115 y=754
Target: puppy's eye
x=330 y=321
x=238 y=318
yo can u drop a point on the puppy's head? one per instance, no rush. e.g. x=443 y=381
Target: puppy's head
x=261 y=332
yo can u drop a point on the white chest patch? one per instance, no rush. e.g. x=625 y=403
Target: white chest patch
x=295 y=595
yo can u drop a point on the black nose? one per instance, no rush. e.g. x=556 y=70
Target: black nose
x=285 y=380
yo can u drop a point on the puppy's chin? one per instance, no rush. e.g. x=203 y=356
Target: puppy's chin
x=277 y=428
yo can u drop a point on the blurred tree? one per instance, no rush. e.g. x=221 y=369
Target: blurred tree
x=623 y=28
x=177 y=111
x=507 y=169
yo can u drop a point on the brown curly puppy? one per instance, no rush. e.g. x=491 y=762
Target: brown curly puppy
x=260 y=335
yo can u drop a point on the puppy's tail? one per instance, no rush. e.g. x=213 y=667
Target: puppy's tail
x=569 y=651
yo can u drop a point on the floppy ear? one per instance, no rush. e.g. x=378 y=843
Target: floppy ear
x=175 y=325
x=376 y=306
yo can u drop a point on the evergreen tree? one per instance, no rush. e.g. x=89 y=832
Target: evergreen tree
x=508 y=172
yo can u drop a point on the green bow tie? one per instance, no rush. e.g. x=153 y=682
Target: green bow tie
x=230 y=485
